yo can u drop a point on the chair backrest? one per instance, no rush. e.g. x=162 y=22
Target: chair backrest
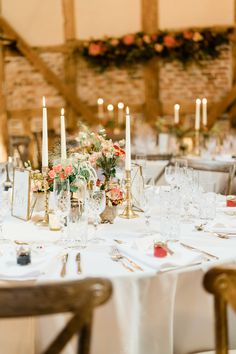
x=77 y=297
x=215 y=166
x=221 y=282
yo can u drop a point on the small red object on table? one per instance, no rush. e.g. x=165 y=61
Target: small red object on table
x=160 y=250
x=231 y=201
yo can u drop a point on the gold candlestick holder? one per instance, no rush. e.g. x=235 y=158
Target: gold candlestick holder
x=197 y=143
x=128 y=212
x=45 y=220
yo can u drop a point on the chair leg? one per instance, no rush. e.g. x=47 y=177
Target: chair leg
x=85 y=337
x=221 y=330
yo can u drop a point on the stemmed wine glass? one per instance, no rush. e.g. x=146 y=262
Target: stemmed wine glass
x=147 y=201
x=61 y=191
x=97 y=203
x=4 y=209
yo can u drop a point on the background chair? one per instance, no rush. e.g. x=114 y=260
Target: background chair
x=221 y=282
x=77 y=297
x=228 y=168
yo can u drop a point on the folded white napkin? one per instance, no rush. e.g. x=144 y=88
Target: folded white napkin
x=40 y=263
x=142 y=251
x=222 y=227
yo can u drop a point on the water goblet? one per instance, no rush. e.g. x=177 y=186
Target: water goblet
x=61 y=191
x=97 y=204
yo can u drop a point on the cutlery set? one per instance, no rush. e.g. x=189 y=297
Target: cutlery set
x=126 y=262
x=64 y=260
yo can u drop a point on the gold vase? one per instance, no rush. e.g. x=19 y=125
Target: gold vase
x=109 y=214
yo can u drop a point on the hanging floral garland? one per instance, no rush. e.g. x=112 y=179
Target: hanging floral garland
x=186 y=46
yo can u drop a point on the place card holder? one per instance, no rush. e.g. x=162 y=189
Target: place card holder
x=21 y=194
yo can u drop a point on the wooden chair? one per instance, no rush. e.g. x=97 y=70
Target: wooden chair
x=77 y=297
x=221 y=282
x=215 y=166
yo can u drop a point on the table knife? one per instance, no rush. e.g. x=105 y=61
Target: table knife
x=64 y=263
x=78 y=261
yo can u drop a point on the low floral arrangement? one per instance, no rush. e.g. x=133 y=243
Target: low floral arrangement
x=131 y=49
x=101 y=152
x=71 y=170
x=36 y=179
x=114 y=194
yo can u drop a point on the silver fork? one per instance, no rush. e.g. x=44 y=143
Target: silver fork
x=117 y=254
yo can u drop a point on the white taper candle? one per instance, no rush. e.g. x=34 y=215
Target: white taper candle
x=127 y=142
x=120 y=112
x=63 y=135
x=204 y=112
x=197 y=114
x=176 y=116
x=45 y=136
x=100 y=103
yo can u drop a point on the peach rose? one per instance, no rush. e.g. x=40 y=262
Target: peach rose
x=146 y=39
x=68 y=169
x=52 y=174
x=158 y=47
x=169 y=41
x=118 y=151
x=114 y=42
x=188 y=34
x=197 y=37
x=129 y=39
x=62 y=176
x=95 y=49
x=57 y=168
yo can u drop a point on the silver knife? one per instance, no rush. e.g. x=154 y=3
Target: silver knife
x=64 y=262
x=78 y=261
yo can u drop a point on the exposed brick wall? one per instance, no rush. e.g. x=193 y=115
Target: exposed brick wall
x=25 y=86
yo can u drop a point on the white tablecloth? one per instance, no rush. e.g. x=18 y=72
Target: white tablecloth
x=153 y=313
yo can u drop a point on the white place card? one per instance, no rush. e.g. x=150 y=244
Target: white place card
x=21 y=194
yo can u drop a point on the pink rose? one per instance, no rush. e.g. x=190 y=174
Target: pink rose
x=68 y=170
x=62 y=176
x=95 y=49
x=52 y=174
x=188 y=34
x=129 y=39
x=169 y=41
x=57 y=168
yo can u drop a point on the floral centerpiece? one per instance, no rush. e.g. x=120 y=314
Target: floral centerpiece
x=105 y=156
x=102 y=153
x=114 y=197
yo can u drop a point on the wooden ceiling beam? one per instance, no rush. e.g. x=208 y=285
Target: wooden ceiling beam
x=70 y=96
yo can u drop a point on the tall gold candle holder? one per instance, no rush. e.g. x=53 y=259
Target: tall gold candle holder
x=45 y=220
x=128 y=212
x=197 y=143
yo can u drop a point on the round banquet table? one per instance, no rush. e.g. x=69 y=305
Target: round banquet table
x=156 y=311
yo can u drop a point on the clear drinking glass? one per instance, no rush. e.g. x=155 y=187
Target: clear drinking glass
x=97 y=204
x=207 y=201
x=170 y=214
x=61 y=190
x=170 y=175
x=148 y=201
x=4 y=209
x=141 y=160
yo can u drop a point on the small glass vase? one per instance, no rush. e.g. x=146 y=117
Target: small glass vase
x=109 y=214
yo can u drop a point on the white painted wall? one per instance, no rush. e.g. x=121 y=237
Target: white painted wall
x=187 y=13
x=41 y=22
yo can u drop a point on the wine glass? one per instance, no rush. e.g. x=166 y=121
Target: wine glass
x=61 y=191
x=97 y=203
x=170 y=175
x=4 y=209
x=141 y=160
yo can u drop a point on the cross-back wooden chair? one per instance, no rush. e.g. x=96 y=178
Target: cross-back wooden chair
x=228 y=168
x=221 y=282
x=76 y=297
